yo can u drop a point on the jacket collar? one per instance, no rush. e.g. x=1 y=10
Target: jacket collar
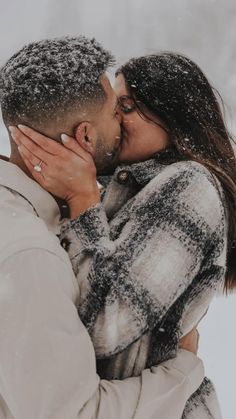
x=12 y=177
x=143 y=172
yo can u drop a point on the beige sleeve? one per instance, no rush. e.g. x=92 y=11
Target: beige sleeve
x=47 y=359
x=161 y=392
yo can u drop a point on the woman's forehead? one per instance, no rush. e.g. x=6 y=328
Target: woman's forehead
x=120 y=85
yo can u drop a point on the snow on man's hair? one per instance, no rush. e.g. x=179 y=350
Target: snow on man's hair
x=52 y=76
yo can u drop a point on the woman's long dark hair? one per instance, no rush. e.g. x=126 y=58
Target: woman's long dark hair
x=173 y=88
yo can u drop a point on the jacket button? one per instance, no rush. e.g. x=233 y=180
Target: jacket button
x=123 y=176
x=65 y=243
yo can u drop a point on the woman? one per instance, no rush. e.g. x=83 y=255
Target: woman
x=149 y=275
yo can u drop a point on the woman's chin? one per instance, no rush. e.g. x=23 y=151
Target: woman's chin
x=123 y=155
x=126 y=156
x=123 y=159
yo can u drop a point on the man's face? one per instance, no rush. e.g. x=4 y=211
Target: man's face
x=108 y=131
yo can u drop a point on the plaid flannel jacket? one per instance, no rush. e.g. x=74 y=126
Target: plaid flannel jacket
x=148 y=260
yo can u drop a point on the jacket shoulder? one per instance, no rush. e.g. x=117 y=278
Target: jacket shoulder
x=190 y=175
x=190 y=187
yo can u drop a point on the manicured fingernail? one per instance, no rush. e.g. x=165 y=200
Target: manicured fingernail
x=19 y=148
x=13 y=132
x=22 y=127
x=65 y=138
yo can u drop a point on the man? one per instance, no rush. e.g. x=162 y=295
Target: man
x=46 y=356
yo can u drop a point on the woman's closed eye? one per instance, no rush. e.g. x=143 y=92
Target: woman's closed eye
x=126 y=104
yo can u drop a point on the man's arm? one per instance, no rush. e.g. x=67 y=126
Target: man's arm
x=47 y=362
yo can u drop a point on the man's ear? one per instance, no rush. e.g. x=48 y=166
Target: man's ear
x=85 y=134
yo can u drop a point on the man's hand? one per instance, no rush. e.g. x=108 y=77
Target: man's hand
x=189 y=342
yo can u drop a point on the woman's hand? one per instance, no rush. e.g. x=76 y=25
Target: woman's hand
x=67 y=171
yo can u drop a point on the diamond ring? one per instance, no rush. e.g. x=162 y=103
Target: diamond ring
x=38 y=167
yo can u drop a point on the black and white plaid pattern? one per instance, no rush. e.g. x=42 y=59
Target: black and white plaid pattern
x=148 y=260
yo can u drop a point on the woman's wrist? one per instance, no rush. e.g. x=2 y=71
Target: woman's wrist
x=82 y=202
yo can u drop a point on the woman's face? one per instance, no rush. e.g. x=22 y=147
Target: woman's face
x=142 y=138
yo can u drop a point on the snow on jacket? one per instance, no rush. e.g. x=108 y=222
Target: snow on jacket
x=149 y=260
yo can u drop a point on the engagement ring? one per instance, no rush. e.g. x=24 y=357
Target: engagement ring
x=38 y=167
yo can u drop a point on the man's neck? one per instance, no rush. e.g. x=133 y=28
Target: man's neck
x=17 y=160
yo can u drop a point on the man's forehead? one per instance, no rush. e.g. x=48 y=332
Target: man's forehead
x=107 y=85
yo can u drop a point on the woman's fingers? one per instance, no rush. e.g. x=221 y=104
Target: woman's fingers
x=52 y=146
x=34 y=151
x=71 y=144
x=33 y=140
x=24 y=134
x=31 y=158
x=38 y=176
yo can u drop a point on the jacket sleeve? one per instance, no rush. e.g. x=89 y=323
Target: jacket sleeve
x=175 y=223
x=47 y=361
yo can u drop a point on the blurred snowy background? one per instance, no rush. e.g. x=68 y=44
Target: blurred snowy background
x=205 y=30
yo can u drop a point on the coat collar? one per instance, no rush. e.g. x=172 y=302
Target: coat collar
x=12 y=177
x=143 y=172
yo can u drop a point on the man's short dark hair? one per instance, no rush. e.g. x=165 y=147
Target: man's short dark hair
x=52 y=76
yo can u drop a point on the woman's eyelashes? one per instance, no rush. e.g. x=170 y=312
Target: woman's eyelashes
x=126 y=104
